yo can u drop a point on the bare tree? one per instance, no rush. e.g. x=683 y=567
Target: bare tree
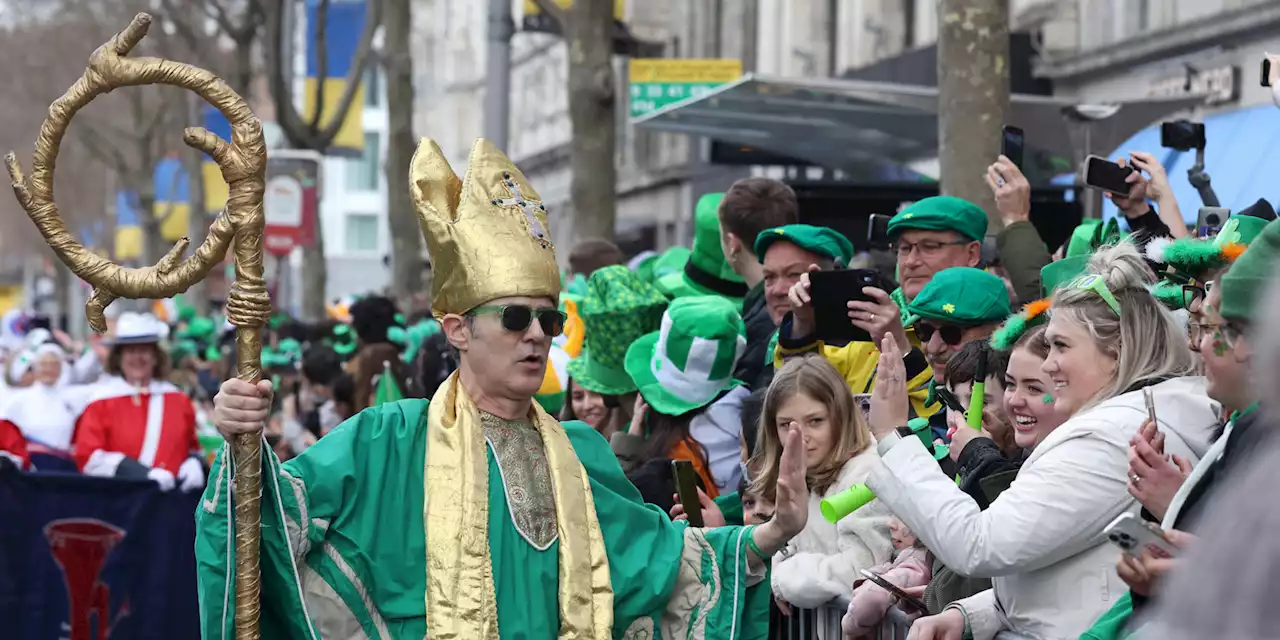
x=406 y=239
x=973 y=84
x=589 y=30
x=311 y=133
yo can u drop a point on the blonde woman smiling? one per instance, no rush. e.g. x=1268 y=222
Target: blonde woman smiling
x=1041 y=540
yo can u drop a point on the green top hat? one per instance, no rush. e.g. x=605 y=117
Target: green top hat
x=1056 y=274
x=343 y=340
x=961 y=296
x=618 y=308
x=706 y=273
x=942 y=213
x=689 y=362
x=1243 y=284
x=825 y=242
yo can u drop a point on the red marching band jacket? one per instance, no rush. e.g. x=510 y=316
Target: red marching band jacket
x=125 y=431
x=12 y=445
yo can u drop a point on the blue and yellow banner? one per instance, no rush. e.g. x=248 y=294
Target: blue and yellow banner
x=173 y=198
x=215 y=188
x=128 y=227
x=343 y=26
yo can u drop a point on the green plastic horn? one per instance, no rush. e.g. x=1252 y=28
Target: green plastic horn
x=846 y=502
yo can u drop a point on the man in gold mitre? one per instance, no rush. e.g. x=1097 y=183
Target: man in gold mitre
x=477 y=515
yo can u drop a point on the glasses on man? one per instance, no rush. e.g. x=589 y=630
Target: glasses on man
x=1229 y=331
x=517 y=318
x=927 y=248
x=950 y=334
x=1194 y=293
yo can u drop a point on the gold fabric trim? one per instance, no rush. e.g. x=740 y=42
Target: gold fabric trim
x=460 y=599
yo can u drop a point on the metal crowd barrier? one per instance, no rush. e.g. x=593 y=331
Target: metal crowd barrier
x=823 y=623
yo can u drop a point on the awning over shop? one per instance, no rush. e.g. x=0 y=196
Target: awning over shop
x=1242 y=150
x=859 y=126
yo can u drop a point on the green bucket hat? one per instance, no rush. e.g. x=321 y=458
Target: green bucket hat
x=689 y=362
x=618 y=308
x=961 y=296
x=1243 y=284
x=825 y=242
x=1056 y=274
x=942 y=213
x=706 y=273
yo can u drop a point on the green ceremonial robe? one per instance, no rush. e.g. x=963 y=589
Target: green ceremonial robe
x=344 y=547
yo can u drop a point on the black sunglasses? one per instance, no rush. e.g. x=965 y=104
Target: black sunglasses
x=518 y=318
x=951 y=334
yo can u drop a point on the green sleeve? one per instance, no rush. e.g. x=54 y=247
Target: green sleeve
x=1023 y=254
x=731 y=507
x=341 y=523
x=670 y=580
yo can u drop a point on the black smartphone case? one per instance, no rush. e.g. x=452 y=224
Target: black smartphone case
x=831 y=292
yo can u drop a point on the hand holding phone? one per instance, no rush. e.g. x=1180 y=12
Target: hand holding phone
x=686 y=480
x=1131 y=534
x=1108 y=176
x=909 y=601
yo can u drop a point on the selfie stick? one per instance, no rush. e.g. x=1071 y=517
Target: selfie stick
x=846 y=502
x=977 y=400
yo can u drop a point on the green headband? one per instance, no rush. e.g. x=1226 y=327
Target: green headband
x=1095 y=283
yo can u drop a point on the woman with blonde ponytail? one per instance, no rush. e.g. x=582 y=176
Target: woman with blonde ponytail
x=1041 y=540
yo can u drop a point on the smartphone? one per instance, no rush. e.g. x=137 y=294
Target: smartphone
x=1270 y=69
x=863 y=402
x=1106 y=175
x=878 y=230
x=1209 y=220
x=687 y=489
x=832 y=291
x=949 y=399
x=1151 y=405
x=906 y=599
x=1182 y=135
x=1012 y=144
x=1266 y=71
x=1132 y=535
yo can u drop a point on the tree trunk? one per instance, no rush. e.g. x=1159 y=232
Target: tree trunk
x=973 y=96
x=314 y=276
x=592 y=100
x=406 y=236
x=197 y=221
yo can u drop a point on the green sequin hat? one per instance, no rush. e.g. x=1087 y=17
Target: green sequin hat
x=706 y=273
x=618 y=308
x=689 y=362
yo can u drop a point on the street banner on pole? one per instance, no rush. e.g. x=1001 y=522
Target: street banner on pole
x=292 y=200
x=659 y=82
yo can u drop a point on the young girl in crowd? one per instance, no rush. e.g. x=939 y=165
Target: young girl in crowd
x=589 y=407
x=1109 y=339
x=824 y=559
x=909 y=568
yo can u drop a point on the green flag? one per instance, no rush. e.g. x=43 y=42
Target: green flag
x=388 y=390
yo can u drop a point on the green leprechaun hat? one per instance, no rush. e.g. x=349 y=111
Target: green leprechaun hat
x=618 y=308
x=706 y=273
x=689 y=362
x=1242 y=286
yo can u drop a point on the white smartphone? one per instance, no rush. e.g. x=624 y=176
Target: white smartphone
x=1132 y=535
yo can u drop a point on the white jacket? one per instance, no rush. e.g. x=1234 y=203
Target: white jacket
x=822 y=562
x=1042 y=540
x=718 y=430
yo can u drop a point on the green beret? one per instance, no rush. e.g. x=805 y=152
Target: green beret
x=962 y=296
x=825 y=242
x=1243 y=284
x=942 y=213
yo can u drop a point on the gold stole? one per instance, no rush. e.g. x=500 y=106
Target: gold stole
x=461 y=604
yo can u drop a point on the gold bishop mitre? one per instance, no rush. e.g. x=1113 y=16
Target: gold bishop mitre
x=487 y=233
